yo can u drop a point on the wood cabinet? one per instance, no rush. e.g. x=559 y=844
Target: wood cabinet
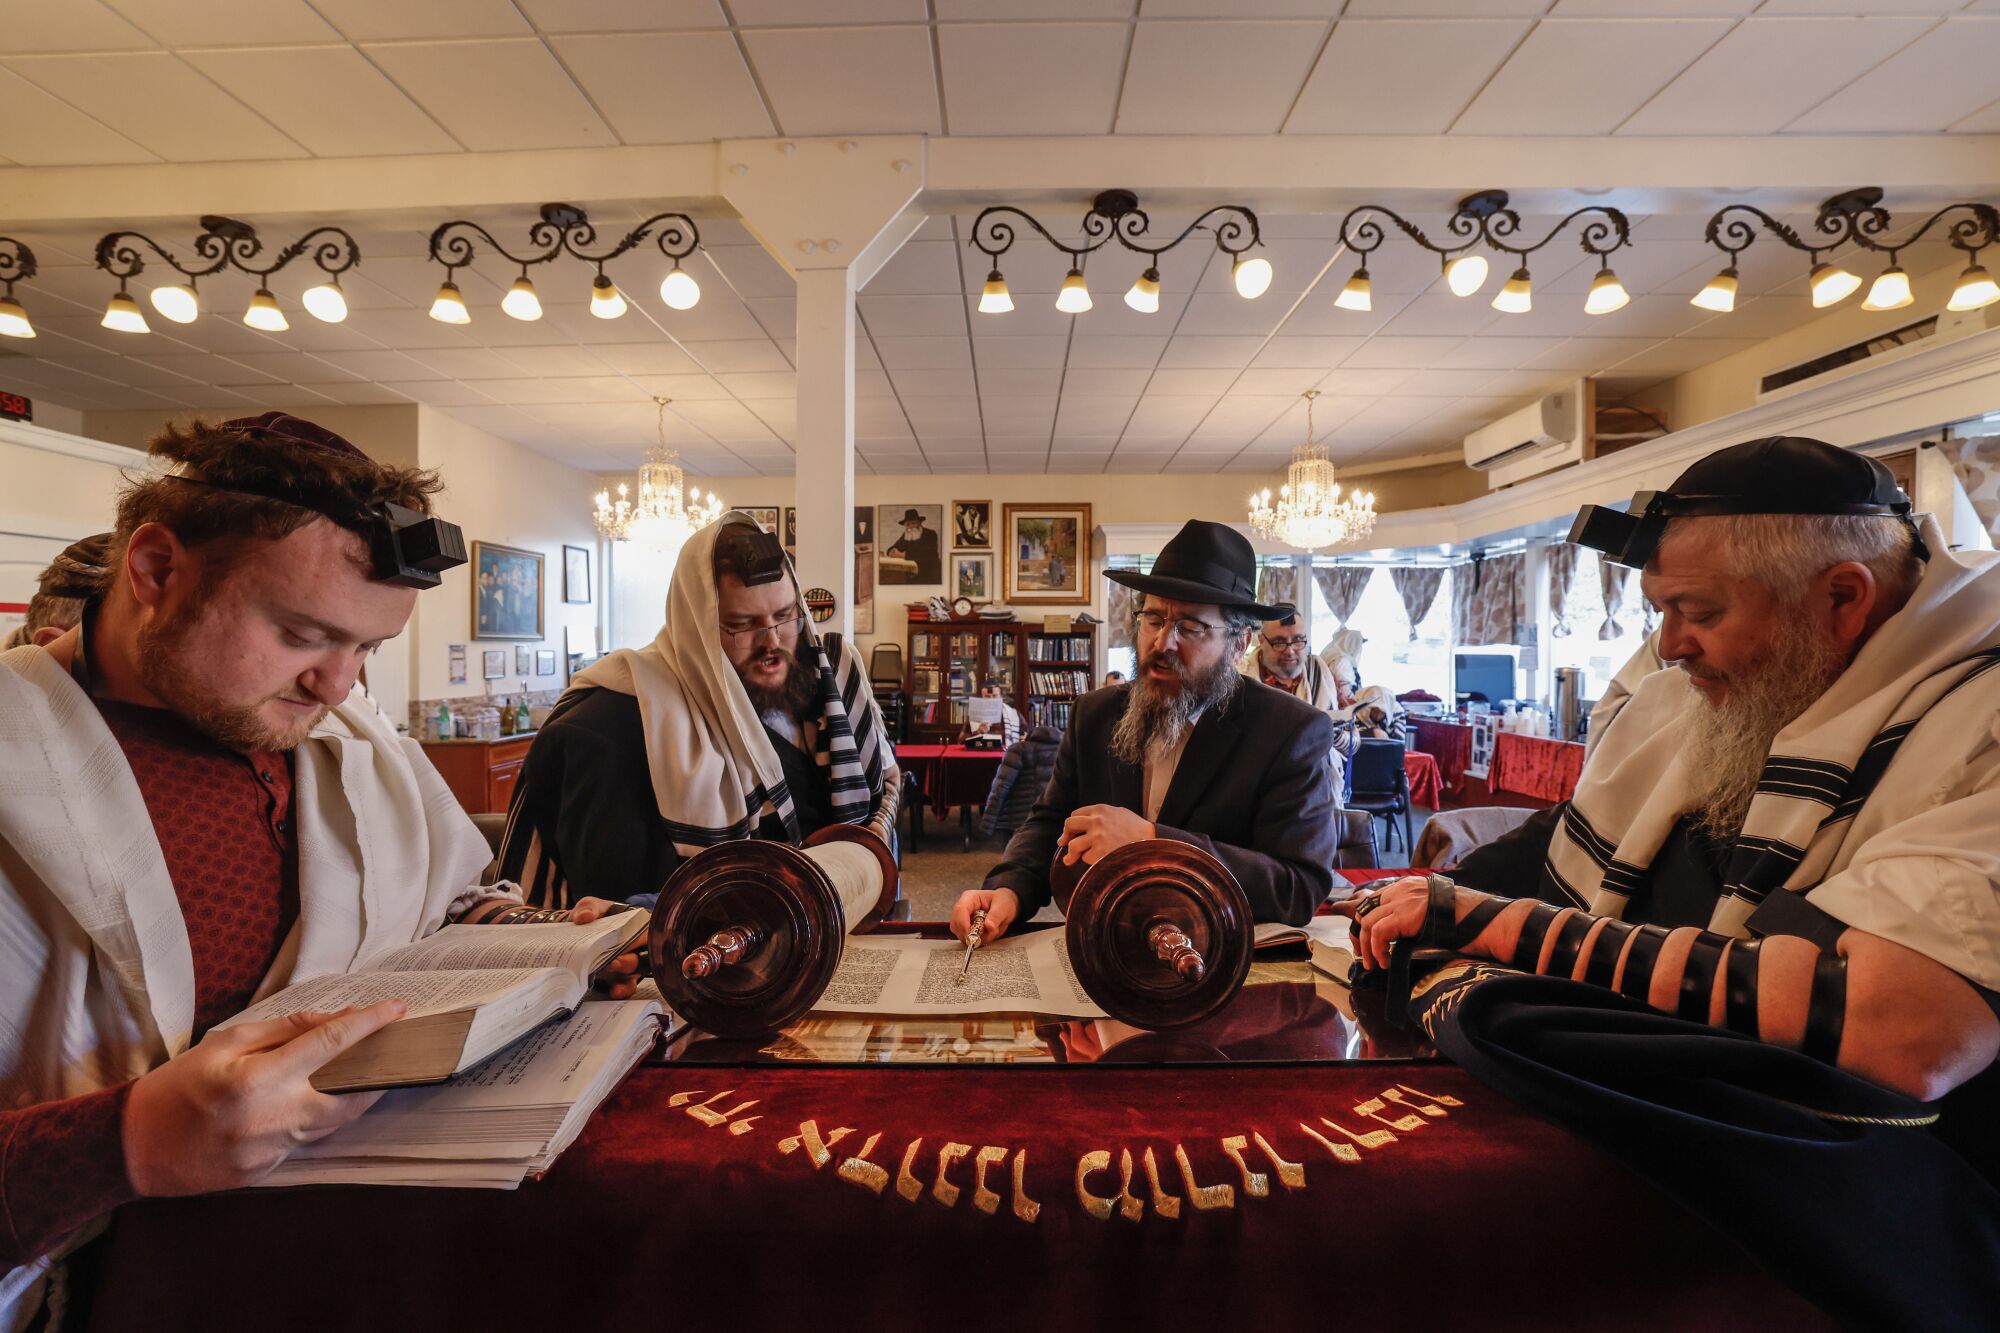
x=481 y=774
x=1039 y=672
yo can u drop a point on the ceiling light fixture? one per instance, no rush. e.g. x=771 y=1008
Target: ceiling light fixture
x=563 y=229
x=1310 y=513
x=662 y=517
x=17 y=262
x=1115 y=215
x=1486 y=219
x=1856 y=217
x=226 y=243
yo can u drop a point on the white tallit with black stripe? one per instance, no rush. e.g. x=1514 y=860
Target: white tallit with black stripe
x=1833 y=785
x=716 y=776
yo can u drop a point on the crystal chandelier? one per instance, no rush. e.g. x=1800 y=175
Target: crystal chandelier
x=1310 y=512
x=660 y=518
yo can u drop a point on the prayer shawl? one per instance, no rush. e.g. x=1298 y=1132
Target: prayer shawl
x=1878 y=801
x=716 y=776
x=96 y=976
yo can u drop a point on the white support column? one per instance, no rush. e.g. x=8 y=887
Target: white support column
x=832 y=211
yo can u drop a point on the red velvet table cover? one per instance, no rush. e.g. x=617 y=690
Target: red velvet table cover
x=1535 y=766
x=950 y=775
x=765 y=1198
x=1426 y=778
x=1447 y=742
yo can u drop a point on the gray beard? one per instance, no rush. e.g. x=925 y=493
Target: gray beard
x=1155 y=716
x=1725 y=745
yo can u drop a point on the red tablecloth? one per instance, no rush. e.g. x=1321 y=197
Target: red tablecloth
x=1533 y=766
x=1426 y=779
x=949 y=775
x=1447 y=742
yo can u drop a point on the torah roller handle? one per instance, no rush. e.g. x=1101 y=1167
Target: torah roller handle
x=746 y=936
x=1159 y=932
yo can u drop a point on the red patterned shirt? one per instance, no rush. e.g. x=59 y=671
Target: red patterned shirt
x=224 y=821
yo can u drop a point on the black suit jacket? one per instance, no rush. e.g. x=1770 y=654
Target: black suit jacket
x=1254 y=789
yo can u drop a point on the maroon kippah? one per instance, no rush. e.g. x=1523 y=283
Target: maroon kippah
x=295 y=430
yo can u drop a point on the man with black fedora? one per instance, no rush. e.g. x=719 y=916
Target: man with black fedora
x=919 y=546
x=1189 y=749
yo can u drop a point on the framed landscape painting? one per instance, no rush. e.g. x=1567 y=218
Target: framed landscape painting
x=972 y=576
x=1045 y=554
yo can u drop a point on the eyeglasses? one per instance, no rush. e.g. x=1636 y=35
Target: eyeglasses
x=780 y=630
x=1280 y=645
x=1190 y=629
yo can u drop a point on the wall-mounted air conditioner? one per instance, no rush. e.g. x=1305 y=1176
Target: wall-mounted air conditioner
x=1548 y=433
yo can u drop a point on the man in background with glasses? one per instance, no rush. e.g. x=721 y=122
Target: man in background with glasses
x=1189 y=750
x=737 y=721
x=1281 y=657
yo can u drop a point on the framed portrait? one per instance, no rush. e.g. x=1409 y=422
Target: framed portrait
x=493 y=664
x=576 y=575
x=971 y=525
x=791 y=536
x=1046 y=553
x=972 y=576
x=909 y=548
x=766 y=515
x=864 y=570
x=545 y=661
x=506 y=592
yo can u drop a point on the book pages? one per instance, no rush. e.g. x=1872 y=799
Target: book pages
x=424 y=992
x=903 y=974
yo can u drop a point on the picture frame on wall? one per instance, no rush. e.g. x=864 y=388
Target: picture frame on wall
x=506 y=592
x=1046 y=554
x=910 y=548
x=576 y=575
x=864 y=570
x=524 y=659
x=791 y=536
x=545 y=661
x=493 y=664
x=971 y=525
x=972 y=576
x=766 y=516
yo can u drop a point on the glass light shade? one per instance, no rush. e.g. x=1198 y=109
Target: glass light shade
x=606 y=302
x=679 y=290
x=1516 y=297
x=1311 y=512
x=1975 y=289
x=1465 y=274
x=1074 y=298
x=177 y=302
x=521 y=301
x=14 y=320
x=264 y=313
x=994 y=298
x=123 y=314
x=1357 y=294
x=1720 y=294
x=1253 y=277
x=1831 y=284
x=1606 y=294
x=664 y=515
x=1891 y=291
x=449 y=307
x=1145 y=294
x=326 y=302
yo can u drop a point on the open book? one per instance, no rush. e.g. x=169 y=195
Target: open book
x=470 y=989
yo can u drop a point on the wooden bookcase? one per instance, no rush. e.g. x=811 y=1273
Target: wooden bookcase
x=1040 y=673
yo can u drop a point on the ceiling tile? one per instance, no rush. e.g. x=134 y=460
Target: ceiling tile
x=1943 y=76
x=1009 y=381
x=1396 y=77
x=668 y=87
x=1589 y=354
x=912 y=316
x=1094 y=414
x=1321 y=354
x=1014 y=353
x=328 y=98
x=1278 y=381
x=740 y=356
x=758 y=13
x=1227 y=313
x=1189 y=352
x=1361 y=381
x=765 y=385
x=386 y=20
x=623 y=15
x=659 y=358
x=922 y=353
x=159 y=102
x=1767 y=72
x=934 y=382
x=227 y=22
x=848 y=80
x=1568 y=9
x=751 y=270
x=921 y=268
x=440 y=393
x=495 y=95
x=1117 y=353
x=1400 y=353
x=1861 y=6
x=63 y=135
x=1074 y=71
x=1445 y=8
x=951 y=10
x=74 y=25
x=1181 y=381
x=1082 y=380
x=1585 y=76
x=1215 y=78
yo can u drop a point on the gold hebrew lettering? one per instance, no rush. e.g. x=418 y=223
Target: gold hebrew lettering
x=1440 y=1098
x=907 y=1183
x=1255 y=1183
x=1371 y=1139
x=1025 y=1208
x=985 y=1200
x=683 y=1098
x=863 y=1172
x=1130 y=1206
x=1292 y=1175
x=712 y=1118
x=743 y=1126
x=1373 y=1108
x=1420 y=1107
x=1097 y=1159
x=1203 y=1197
x=943 y=1190
x=1342 y=1152
x=1165 y=1204
x=816 y=1148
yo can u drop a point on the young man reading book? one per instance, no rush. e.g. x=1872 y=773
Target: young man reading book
x=198 y=809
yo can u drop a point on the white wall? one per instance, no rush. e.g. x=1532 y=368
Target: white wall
x=54 y=488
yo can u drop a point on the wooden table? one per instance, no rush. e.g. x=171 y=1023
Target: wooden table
x=947 y=775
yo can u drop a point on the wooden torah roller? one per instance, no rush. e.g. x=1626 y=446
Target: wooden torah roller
x=1159 y=932
x=746 y=936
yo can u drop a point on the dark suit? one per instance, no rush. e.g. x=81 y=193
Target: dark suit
x=925 y=553
x=1254 y=789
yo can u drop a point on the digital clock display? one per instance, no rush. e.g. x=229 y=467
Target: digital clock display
x=15 y=407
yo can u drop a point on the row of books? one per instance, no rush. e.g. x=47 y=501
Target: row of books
x=1059 y=682
x=1050 y=713
x=1058 y=647
x=924 y=644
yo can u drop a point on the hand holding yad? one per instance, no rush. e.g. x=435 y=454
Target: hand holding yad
x=971 y=943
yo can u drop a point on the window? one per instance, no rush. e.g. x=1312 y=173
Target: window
x=1391 y=657
x=1599 y=658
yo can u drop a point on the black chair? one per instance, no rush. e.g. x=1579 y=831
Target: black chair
x=1381 y=786
x=1356 y=847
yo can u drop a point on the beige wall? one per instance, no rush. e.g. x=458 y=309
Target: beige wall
x=386 y=434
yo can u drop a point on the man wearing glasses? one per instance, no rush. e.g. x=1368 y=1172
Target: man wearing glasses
x=1188 y=751
x=1283 y=659
x=737 y=721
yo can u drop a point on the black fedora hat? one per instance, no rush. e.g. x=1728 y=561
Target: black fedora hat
x=1206 y=563
x=913 y=516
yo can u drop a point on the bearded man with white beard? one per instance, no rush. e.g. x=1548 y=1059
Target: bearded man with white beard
x=1190 y=750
